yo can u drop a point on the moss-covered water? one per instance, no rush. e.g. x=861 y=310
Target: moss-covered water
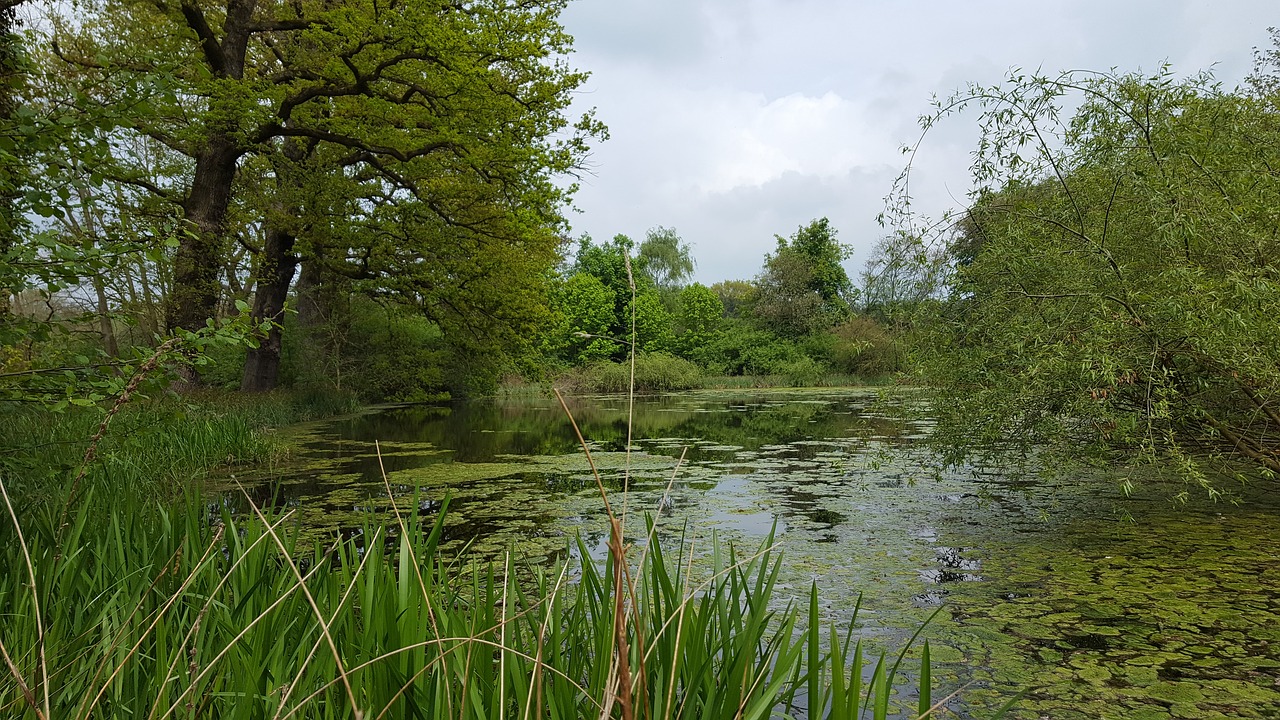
x=1106 y=606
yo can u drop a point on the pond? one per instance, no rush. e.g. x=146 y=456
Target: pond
x=1104 y=605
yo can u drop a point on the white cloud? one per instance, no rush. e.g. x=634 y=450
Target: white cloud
x=733 y=120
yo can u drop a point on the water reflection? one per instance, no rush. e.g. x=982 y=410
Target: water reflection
x=1105 y=603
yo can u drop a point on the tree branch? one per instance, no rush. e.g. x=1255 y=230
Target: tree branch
x=208 y=40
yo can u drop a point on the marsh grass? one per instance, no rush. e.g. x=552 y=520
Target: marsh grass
x=120 y=606
x=651 y=372
x=733 y=382
x=160 y=444
x=191 y=613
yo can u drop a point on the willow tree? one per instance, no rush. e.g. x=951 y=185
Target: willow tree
x=456 y=109
x=1120 y=281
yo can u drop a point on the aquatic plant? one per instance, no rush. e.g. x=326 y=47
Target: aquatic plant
x=157 y=444
x=193 y=613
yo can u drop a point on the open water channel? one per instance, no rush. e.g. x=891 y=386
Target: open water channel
x=1105 y=606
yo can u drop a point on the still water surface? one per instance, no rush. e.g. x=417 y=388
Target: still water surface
x=1106 y=606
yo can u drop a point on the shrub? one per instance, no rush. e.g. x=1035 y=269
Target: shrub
x=863 y=346
x=655 y=372
x=804 y=371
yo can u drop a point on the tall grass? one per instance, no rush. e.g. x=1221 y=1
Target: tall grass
x=161 y=444
x=180 y=613
x=737 y=382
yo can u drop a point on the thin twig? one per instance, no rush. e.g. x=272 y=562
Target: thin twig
x=129 y=389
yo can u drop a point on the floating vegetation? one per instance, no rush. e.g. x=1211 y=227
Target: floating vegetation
x=1104 y=605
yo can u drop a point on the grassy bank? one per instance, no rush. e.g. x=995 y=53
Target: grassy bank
x=161 y=443
x=659 y=372
x=177 y=614
x=133 y=603
x=733 y=382
x=656 y=372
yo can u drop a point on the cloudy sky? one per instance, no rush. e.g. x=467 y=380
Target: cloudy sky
x=735 y=120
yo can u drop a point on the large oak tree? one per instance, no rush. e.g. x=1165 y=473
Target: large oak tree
x=401 y=142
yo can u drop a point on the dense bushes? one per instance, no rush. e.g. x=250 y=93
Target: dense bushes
x=655 y=372
x=795 y=323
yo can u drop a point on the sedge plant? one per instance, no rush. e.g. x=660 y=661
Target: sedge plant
x=119 y=606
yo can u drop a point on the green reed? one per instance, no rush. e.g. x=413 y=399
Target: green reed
x=190 y=612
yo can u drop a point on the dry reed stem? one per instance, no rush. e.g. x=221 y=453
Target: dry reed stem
x=631 y=390
x=458 y=642
x=666 y=495
x=746 y=697
x=131 y=387
x=22 y=684
x=618 y=552
x=538 y=664
x=542 y=635
x=684 y=594
x=706 y=584
x=324 y=627
x=232 y=643
x=610 y=689
x=938 y=705
x=620 y=621
x=604 y=495
x=35 y=600
x=186 y=582
x=502 y=637
x=173 y=560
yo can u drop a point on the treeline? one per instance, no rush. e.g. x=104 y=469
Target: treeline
x=349 y=197
x=798 y=318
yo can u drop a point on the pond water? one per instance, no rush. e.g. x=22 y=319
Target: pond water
x=1105 y=606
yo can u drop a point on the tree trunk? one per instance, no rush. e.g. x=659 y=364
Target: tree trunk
x=11 y=166
x=106 y=325
x=275 y=273
x=312 y=312
x=193 y=299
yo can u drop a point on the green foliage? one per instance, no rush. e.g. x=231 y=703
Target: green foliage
x=864 y=347
x=166 y=612
x=157 y=446
x=653 y=323
x=664 y=259
x=701 y=315
x=584 y=307
x=803 y=287
x=654 y=372
x=1124 y=293
x=607 y=263
x=381 y=352
x=742 y=349
x=902 y=272
x=803 y=371
x=736 y=296
x=780 y=327
x=412 y=156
